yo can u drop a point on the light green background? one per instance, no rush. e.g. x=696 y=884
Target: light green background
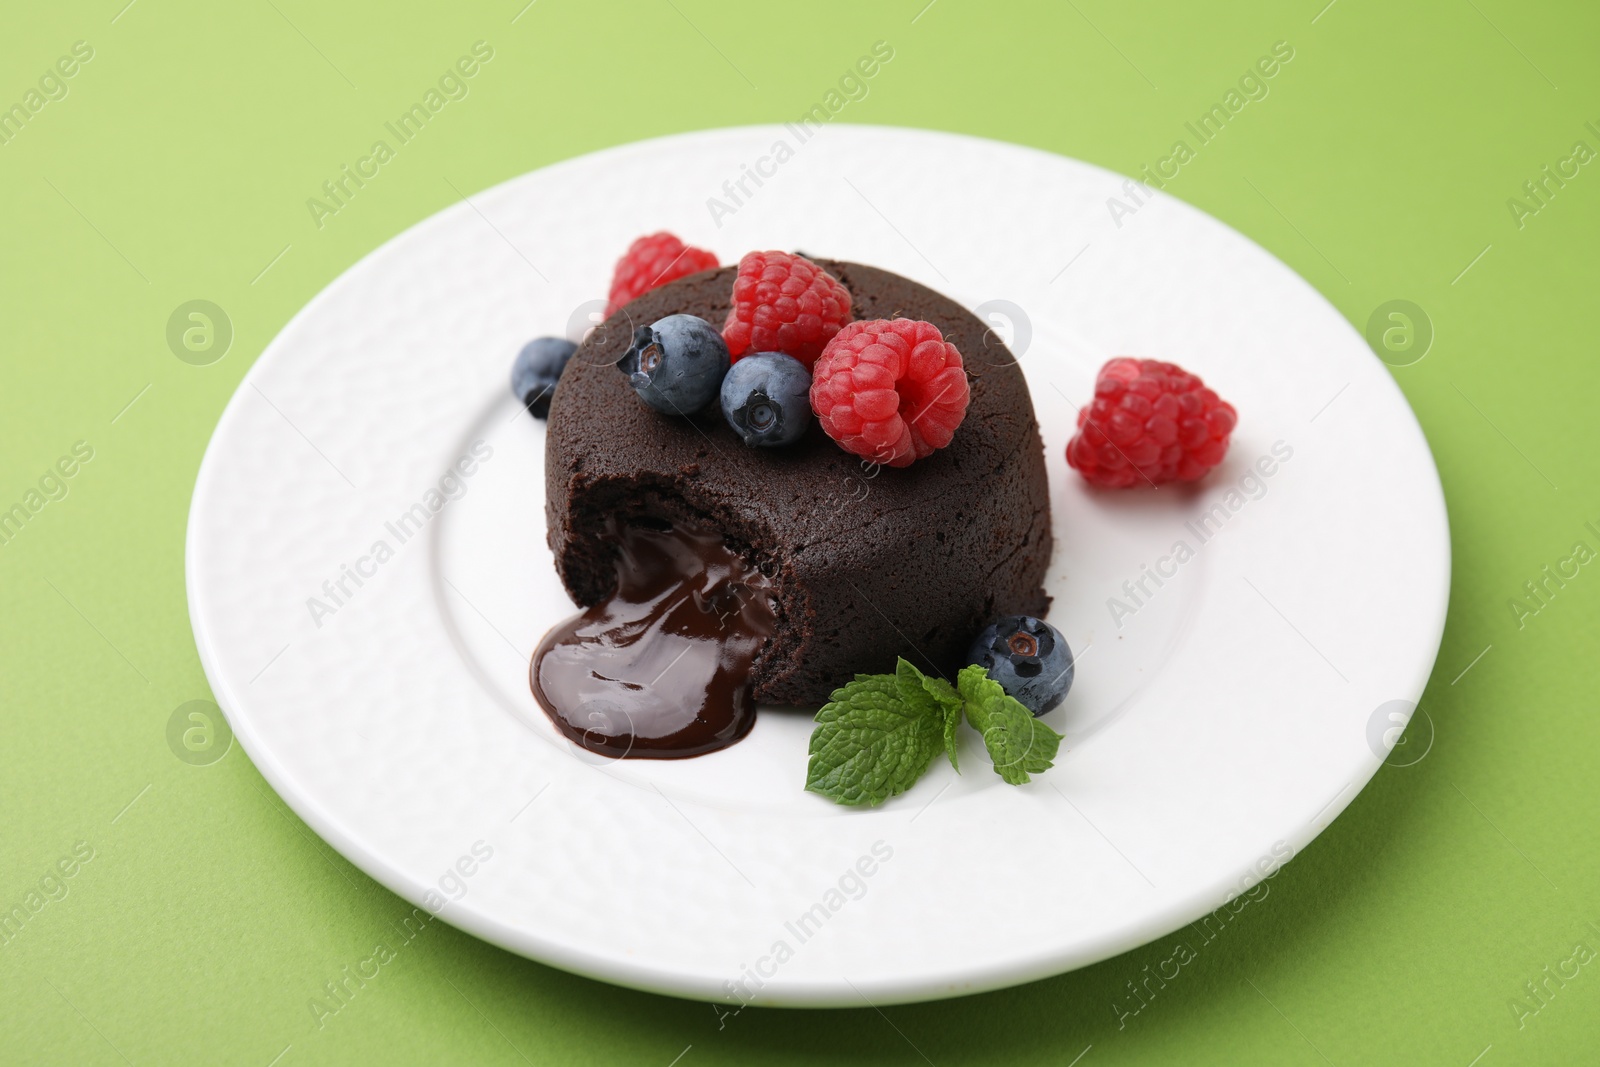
x=177 y=168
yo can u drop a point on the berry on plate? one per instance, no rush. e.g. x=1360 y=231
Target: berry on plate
x=890 y=390
x=783 y=302
x=676 y=364
x=537 y=368
x=1150 y=423
x=1028 y=657
x=653 y=261
x=766 y=399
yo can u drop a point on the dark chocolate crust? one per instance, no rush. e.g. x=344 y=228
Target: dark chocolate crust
x=872 y=563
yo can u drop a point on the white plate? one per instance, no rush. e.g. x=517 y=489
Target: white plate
x=1228 y=718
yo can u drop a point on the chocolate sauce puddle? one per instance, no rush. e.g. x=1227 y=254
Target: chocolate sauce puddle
x=661 y=668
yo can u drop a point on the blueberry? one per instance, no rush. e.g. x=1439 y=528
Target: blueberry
x=534 y=374
x=1028 y=657
x=766 y=398
x=676 y=364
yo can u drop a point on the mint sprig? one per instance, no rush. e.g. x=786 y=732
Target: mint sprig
x=878 y=734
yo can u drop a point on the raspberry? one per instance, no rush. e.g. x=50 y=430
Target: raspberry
x=654 y=261
x=784 y=303
x=1150 y=423
x=890 y=390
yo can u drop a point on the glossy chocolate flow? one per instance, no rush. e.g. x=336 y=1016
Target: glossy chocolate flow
x=660 y=668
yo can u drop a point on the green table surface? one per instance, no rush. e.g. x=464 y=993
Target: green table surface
x=1452 y=912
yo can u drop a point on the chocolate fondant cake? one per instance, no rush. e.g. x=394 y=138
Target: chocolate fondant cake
x=865 y=564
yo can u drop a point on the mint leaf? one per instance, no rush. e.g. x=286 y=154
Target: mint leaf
x=871 y=742
x=937 y=697
x=950 y=707
x=1018 y=743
